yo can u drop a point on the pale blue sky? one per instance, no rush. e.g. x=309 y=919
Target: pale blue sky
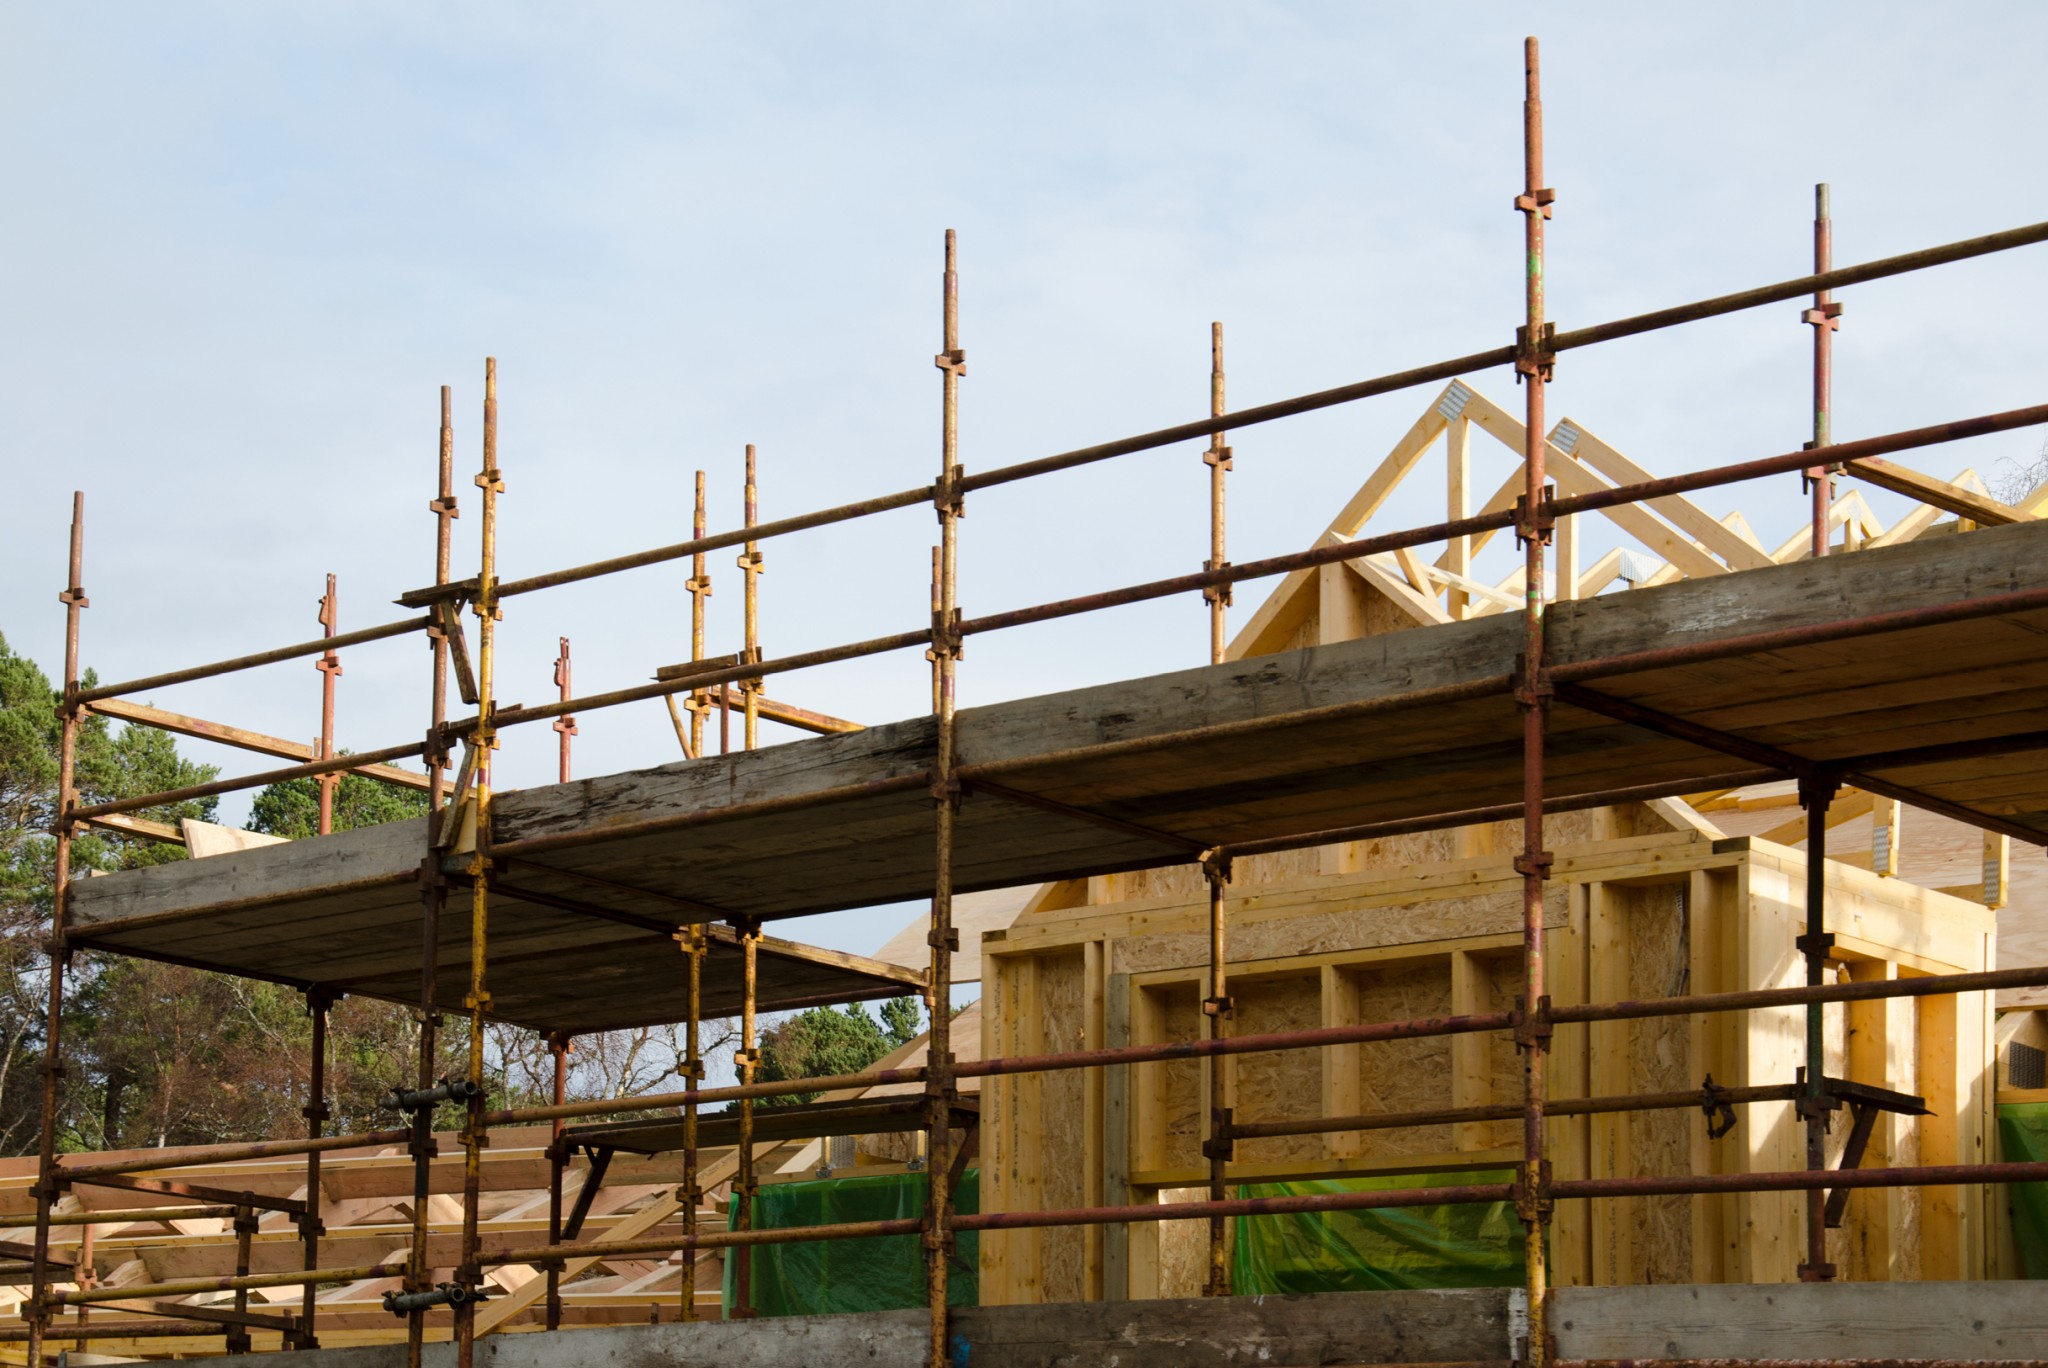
x=245 y=243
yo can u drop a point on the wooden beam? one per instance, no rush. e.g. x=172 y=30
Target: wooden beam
x=122 y=824
x=144 y=715
x=1979 y=508
x=1848 y=805
x=1422 y=607
x=1682 y=512
x=1573 y=478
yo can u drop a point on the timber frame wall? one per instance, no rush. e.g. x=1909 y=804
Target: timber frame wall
x=461 y=827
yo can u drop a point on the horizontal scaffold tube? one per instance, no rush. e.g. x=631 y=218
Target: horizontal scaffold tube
x=607 y=1106
x=1201 y=429
x=317 y=646
x=247 y=781
x=223 y=1154
x=1508 y=1111
x=1312 y=1038
x=612 y=1249
x=121 y=1216
x=1934 y=985
x=1498 y=812
x=187 y=1287
x=103 y=1330
x=682 y=680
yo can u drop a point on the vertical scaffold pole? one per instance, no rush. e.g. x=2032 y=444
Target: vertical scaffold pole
x=565 y=725
x=318 y=1000
x=1217 y=1146
x=943 y=938
x=693 y=939
x=1217 y=458
x=750 y=566
x=1824 y=317
x=485 y=739
x=433 y=892
x=699 y=585
x=1816 y=793
x=559 y=1046
x=747 y=1065
x=74 y=600
x=329 y=666
x=1532 y=692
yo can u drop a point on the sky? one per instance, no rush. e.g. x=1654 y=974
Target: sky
x=246 y=244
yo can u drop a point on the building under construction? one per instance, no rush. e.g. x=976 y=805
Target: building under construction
x=1441 y=954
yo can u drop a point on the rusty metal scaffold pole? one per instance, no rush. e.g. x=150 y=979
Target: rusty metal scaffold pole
x=316 y=1112
x=559 y=1046
x=691 y=1196
x=750 y=568
x=433 y=890
x=1219 y=1146
x=747 y=1066
x=1815 y=1106
x=469 y=1273
x=1532 y=692
x=329 y=666
x=1824 y=317
x=566 y=723
x=699 y=585
x=941 y=1089
x=47 y=1183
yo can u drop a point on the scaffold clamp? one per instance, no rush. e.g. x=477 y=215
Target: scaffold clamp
x=1715 y=1105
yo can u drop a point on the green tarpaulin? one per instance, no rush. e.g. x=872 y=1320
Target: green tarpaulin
x=2023 y=1138
x=1396 y=1247
x=883 y=1273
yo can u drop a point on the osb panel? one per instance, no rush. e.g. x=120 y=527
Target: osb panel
x=1183 y=1248
x=1344 y=929
x=1660 y=1142
x=1176 y=1105
x=1282 y=866
x=1405 y=1075
x=1284 y=1085
x=1060 y=1126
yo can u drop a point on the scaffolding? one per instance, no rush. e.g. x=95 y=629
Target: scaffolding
x=463 y=853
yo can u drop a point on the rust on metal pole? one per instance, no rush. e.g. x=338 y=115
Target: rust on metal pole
x=566 y=723
x=1532 y=1032
x=940 y=1086
x=329 y=666
x=316 y=1112
x=747 y=1065
x=433 y=895
x=1217 y=458
x=74 y=600
x=1814 y=1104
x=1218 y=1146
x=1824 y=316
x=245 y=1231
x=750 y=567
x=559 y=1045
x=699 y=585
x=484 y=739
x=694 y=942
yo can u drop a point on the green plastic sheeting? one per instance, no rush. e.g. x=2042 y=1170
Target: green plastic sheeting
x=1391 y=1248
x=881 y=1273
x=2023 y=1138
